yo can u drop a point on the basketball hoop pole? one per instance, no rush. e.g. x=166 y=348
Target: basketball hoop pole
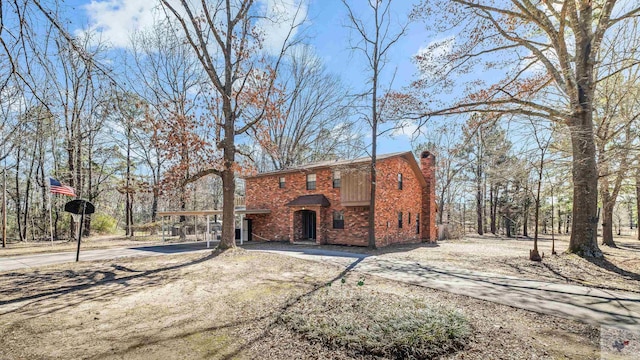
x=84 y=207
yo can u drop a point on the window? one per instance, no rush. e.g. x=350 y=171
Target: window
x=336 y=180
x=311 y=181
x=281 y=182
x=418 y=223
x=338 y=220
x=400 y=220
x=409 y=221
x=399 y=181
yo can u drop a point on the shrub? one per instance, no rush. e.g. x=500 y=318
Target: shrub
x=367 y=322
x=103 y=223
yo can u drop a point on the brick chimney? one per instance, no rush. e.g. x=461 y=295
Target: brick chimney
x=428 y=227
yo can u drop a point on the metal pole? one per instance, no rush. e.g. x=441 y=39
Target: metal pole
x=50 y=219
x=84 y=206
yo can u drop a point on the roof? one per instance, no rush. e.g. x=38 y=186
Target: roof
x=309 y=200
x=333 y=163
x=211 y=212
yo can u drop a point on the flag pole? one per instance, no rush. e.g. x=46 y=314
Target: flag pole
x=50 y=217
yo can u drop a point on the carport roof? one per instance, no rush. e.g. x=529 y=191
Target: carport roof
x=211 y=212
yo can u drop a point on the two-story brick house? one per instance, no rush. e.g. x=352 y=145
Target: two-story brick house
x=329 y=201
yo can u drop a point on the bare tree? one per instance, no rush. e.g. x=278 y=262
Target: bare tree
x=542 y=142
x=616 y=116
x=169 y=78
x=224 y=37
x=373 y=39
x=555 y=45
x=446 y=144
x=313 y=120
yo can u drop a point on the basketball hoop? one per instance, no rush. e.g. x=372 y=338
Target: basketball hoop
x=78 y=209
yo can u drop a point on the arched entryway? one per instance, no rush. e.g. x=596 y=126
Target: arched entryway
x=305 y=225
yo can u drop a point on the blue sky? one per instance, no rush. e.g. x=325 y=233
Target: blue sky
x=325 y=31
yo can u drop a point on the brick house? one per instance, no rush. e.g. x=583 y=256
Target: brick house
x=328 y=202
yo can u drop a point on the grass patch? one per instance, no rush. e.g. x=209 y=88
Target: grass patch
x=368 y=322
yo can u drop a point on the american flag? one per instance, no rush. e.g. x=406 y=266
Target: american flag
x=57 y=188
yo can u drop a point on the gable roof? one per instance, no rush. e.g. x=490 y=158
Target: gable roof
x=407 y=155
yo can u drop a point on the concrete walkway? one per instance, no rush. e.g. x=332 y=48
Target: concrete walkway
x=598 y=307
x=617 y=309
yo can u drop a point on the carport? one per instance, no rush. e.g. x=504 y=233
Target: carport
x=239 y=213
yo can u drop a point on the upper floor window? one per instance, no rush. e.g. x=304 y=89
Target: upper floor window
x=338 y=220
x=400 y=220
x=311 y=181
x=399 y=181
x=409 y=220
x=281 y=182
x=336 y=179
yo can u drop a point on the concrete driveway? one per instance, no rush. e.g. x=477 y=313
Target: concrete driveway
x=595 y=306
x=35 y=260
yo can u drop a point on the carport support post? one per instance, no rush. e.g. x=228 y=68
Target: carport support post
x=241 y=227
x=162 y=226
x=208 y=235
x=84 y=207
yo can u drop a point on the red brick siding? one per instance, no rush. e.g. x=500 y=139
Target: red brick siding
x=262 y=192
x=390 y=201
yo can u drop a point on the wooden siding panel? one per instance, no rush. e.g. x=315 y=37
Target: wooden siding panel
x=356 y=188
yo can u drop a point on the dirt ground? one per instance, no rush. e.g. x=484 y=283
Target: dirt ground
x=228 y=306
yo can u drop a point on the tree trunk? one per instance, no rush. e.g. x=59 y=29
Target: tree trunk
x=479 y=198
x=534 y=255
x=440 y=213
x=90 y=192
x=584 y=227
x=553 y=238
x=559 y=221
x=493 y=198
x=638 y=201
x=154 y=209
x=182 y=230
x=607 y=218
x=484 y=203
x=228 y=238
x=128 y=206
x=372 y=201
x=479 y=210
x=525 y=212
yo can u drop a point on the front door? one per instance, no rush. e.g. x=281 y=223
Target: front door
x=309 y=224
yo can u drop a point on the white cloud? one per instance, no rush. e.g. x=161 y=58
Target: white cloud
x=406 y=129
x=432 y=59
x=116 y=20
x=280 y=17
